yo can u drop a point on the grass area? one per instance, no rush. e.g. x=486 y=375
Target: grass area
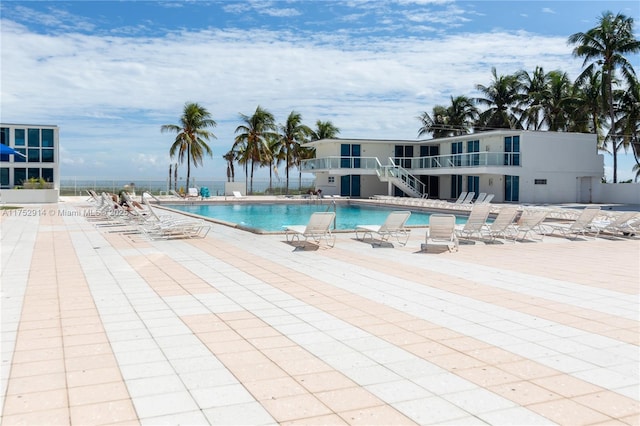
x=9 y=207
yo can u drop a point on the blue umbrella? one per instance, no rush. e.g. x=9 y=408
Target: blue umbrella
x=7 y=150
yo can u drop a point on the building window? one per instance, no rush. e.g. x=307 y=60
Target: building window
x=47 y=174
x=33 y=155
x=512 y=151
x=34 y=138
x=33 y=173
x=19 y=137
x=47 y=156
x=456 y=153
x=331 y=179
x=539 y=181
x=47 y=138
x=512 y=188
x=4 y=140
x=4 y=177
x=19 y=176
x=473 y=146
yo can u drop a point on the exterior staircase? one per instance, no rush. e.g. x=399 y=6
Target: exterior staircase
x=401 y=178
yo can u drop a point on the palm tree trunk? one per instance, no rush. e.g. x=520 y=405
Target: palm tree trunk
x=612 y=131
x=188 y=169
x=287 y=170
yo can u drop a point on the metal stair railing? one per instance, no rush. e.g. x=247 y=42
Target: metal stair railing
x=400 y=177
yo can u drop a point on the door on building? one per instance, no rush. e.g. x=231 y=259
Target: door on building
x=349 y=156
x=512 y=188
x=456 y=186
x=403 y=155
x=473 y=184
x=350 y=186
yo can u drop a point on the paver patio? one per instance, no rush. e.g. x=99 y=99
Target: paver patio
x=102 y=327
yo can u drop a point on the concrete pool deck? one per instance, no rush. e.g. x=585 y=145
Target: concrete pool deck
x=103 y=327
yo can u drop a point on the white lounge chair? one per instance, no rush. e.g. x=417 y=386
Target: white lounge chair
x=442 y=232
x=476 y=221
x=318 y=229
x=469 y=198
x=583 y=225
x=625 y=223
x=237 y=195
x=480 y=198
x=461 y=198
x=488 y=198
x=502 y=225
x=393 y=226
x=530 y=223
x=193 y=193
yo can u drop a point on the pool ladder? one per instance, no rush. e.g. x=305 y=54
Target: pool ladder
x=333 y=203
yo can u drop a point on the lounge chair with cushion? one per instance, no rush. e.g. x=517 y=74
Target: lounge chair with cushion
x=318 y=229
x=393 y=226
x=442 y=232
x=193 y=193
x=476 y=221
x=583 y=225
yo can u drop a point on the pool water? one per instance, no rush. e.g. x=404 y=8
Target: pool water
x=272 y=217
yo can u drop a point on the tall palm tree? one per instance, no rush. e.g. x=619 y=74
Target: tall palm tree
x=292 y=134
x=230 y=157
x=277 y=157
x=324 y=130
x=253 y=137
x=436 y=124
x=501 y=97
x=605 y=47
x=555 y=101
x=587 y=109
x=191 y=136
x=462 y=114
x=628 y=124
x=533 y=87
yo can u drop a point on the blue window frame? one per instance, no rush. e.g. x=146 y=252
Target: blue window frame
x=456 y=186
x=456 y=148
x=347 y=152
x=473 y=184
x=473 y=146
x=512 y=151
x=512 y=188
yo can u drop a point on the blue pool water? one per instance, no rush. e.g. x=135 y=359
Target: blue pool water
x=272 y=217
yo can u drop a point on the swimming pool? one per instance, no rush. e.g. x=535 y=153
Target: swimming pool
x=272 y=216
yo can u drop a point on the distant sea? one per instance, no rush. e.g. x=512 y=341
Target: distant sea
x=79 y=185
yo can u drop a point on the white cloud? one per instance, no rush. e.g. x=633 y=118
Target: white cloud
x=548 y=10
x=109 y=95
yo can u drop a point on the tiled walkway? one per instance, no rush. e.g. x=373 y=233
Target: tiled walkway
x=101 y=327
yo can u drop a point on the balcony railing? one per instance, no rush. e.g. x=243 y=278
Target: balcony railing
x=474 y=159
x=370 y=163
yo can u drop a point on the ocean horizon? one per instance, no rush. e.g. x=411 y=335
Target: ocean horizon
x=79 y=185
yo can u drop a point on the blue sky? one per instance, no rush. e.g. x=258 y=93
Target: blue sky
x=110 y=73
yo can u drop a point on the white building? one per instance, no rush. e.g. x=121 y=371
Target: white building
x=514 y=165
x=40 y=146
